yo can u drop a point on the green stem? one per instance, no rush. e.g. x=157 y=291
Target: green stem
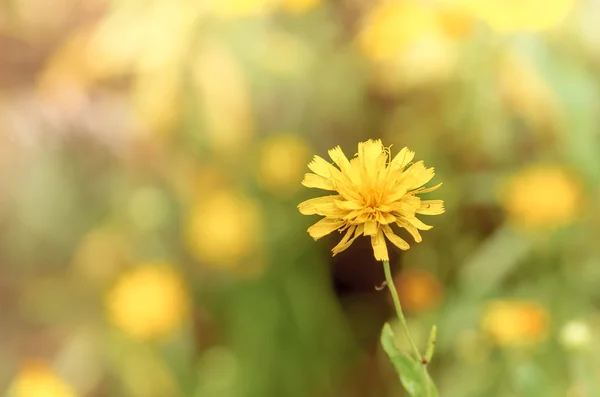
x=390 y=283
x=398 y=306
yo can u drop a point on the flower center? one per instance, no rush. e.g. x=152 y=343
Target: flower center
x=372 y=199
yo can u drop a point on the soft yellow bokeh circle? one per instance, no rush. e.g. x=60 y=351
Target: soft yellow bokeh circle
x=37 y=379
x=542 y=197
x=148 y=301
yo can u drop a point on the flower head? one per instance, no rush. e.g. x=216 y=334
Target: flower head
x=374 y=191
x=515 y=323
x=148 y=301
x=542 y=197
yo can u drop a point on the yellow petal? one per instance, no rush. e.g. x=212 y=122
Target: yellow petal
x=417 y=175
x=346 y=189
x=320 y=205
x=354 y=173
x=349 y=205
x=385 y=218
x=340 y=159
x=320 y=166
x=394 y=239
x=403 y=157
x=345 y=242
x=395 y=194
x=416 y=222
x=379 y=247
x=369 y=154
x=407 y=206
x=414 y=232
x=422 y=190
x=324 y=227
x=343 y=245
x=317 y=181
x=431 y=207
x=370 y=228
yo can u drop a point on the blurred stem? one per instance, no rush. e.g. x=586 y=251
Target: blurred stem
x=398 y=306
x=418 y=357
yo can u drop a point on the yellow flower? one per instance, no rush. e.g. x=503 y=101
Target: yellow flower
x=535 y=15
x=374 y=192
x=410 y=43
x=223 y=230
x=36 y=379
x=148 y=301
x=281 y=163
x=394 y=25
x=542 y=197
x=514 y=323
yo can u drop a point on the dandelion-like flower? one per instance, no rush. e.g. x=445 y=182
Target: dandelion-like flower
x=374 y=192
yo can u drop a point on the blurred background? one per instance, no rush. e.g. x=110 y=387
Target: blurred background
x=151 y=153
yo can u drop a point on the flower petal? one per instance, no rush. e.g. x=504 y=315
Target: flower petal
x=385 y=218
x=317 y=181
x=347 y=241
x=431 y=207
x=414 y=232
x=321 y=167
x=371 y=157
x=324 y=227
x=379 y=247
x=370 y=228
x=422 y=190
x=416 y=222
x=349 y=205
x=395 y=194
x=394 y=239
x=340 y=159
x=417 y=175
x=403 y=157
x=322 y=206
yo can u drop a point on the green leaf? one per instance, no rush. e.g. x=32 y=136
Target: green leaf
x=410 y=372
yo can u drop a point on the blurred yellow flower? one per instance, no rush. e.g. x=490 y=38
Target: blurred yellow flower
x=410 y=43
x=430 y=61
x=393 y=25
x=298 y=6
x=418 y=290
x=37 y=379
x=542 y=197
x=513 y=16
x=281 y=163
x=374 y=192
x=514 y=323
x=148 y=301
x=223 y=229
